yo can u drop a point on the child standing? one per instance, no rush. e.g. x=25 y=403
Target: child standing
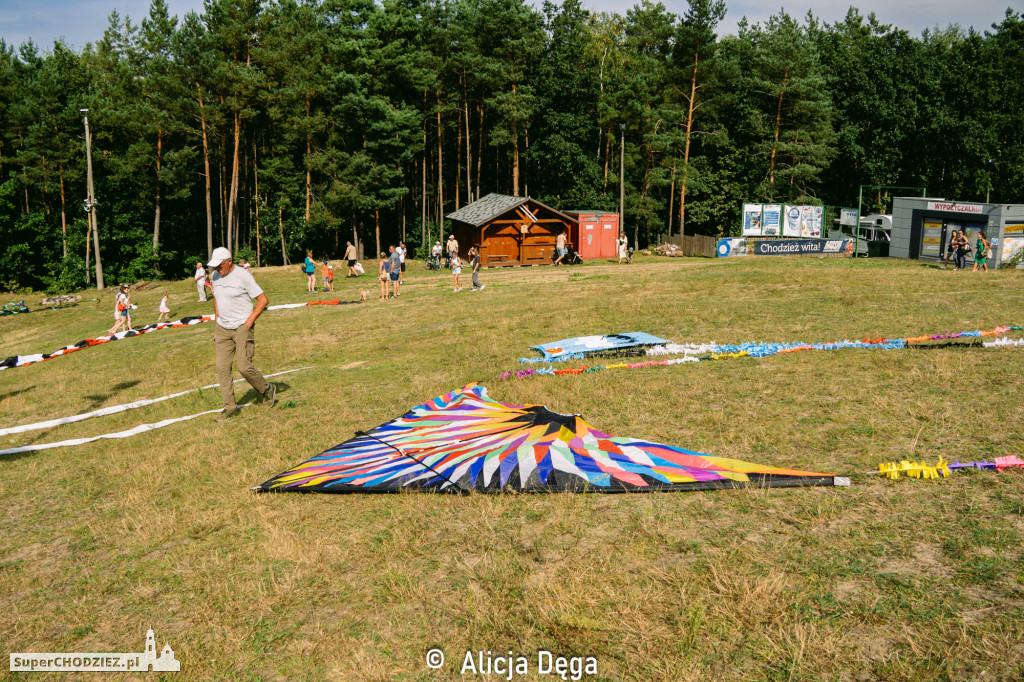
x=474 y=263
x=121 y=303
x=330 y=277
x=384 y=275
x=456 y=269
x=165 y=312
x=325 y=276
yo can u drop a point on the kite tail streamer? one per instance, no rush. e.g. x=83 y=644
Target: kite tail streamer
x=114 y=409
x=141 y=428
x=761 y=350
x=893 y=470
x=22 y=360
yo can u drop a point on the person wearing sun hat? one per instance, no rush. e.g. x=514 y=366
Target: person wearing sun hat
x=233 y=292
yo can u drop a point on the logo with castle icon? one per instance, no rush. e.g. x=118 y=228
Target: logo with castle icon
x=165 y=662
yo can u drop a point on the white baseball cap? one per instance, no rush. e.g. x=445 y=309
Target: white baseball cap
x=220 y=254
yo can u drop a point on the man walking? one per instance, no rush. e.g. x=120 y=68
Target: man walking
x=350 y=256
x=560 y=247
x=233 y=292
x=200 y=278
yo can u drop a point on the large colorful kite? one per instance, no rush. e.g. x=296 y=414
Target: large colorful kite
x=465 y=441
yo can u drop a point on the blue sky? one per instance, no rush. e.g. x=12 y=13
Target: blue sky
x=79 y=21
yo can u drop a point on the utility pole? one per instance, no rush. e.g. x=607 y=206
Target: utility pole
x=622 y=180
x=90 y=203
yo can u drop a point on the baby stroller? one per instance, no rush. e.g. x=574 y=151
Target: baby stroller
x=571 y=256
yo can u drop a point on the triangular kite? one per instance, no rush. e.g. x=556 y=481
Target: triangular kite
x=465 y=441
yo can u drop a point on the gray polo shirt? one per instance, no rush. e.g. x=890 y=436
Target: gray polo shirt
x=234 y=293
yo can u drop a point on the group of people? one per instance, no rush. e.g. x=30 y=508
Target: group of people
x=960 y=247
x=355 y=269
x=391 y=267
x=202 y=280
x=451 y=249
x=123 y=308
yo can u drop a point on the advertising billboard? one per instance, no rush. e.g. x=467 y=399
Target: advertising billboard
x=751 y=220
x=810 y=221
x=771 y=220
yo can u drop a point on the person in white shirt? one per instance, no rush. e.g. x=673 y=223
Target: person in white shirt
x=401 y=250
x=233 y=292
x=200 y=278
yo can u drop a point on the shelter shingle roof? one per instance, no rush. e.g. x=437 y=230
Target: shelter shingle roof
x=482 y=210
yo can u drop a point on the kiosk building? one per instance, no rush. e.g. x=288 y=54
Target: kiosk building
x=922 y=226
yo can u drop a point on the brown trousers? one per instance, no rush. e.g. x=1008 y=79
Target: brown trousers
x=230 y=342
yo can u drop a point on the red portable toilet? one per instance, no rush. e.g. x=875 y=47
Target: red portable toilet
x=596 y=234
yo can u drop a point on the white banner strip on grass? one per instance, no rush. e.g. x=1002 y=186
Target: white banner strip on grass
x=141 y=428
x=286 y=306
x=114 y=409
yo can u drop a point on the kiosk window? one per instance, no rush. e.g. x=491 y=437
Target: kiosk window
x=931 y=240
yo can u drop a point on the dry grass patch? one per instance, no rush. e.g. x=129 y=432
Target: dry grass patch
x=882 y=581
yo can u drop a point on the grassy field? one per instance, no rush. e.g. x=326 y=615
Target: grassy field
x=908 y=580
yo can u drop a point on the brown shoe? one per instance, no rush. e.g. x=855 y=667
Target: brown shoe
x=226 y=415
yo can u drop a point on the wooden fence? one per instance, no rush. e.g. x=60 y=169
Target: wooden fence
x=694 y=245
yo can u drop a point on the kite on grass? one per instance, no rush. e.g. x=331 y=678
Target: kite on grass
x=628 y=343
x=465 y=441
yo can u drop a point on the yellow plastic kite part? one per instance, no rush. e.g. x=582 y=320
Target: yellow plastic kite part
x=894 y=470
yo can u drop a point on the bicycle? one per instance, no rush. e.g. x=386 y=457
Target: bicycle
x=433 y=263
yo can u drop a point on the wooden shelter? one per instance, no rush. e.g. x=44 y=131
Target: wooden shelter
x=509 y=230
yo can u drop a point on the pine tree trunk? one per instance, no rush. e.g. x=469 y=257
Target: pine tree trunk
x=280 y=223
x=309 y=173
x=63 y=212
x=686 y=151
x=233 y=199
x=526 y=177
x=156 y=213
x=355 y=237
x=440 y=166
x=775 y=146
x=671 y=198
x=458 y=161
x=479 y=149
x=376 y=218
x=607 y=153
x=469 y=158
x=423 y=207
x=206 y=168
x=515 y=148
x=256 y=192
x=223 y=194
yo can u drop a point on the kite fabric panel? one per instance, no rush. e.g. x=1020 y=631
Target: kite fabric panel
x=465 y=441
x=581 y=346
